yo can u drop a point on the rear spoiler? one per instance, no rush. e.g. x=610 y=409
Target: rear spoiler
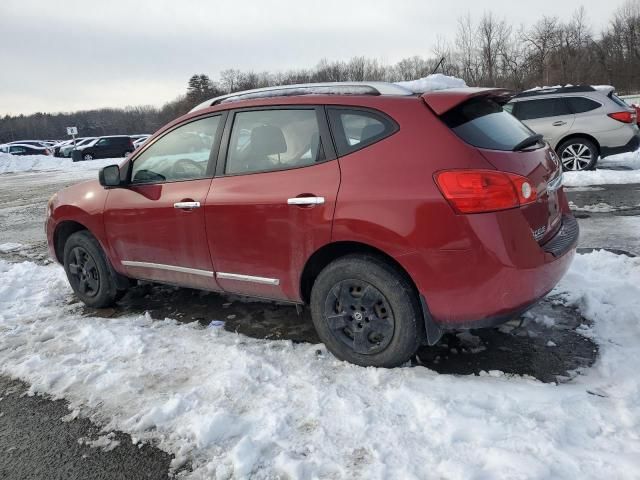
x=441 y=101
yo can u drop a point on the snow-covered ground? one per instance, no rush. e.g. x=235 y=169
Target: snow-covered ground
x=239 y=407
x=614 y=170
x=39 y=163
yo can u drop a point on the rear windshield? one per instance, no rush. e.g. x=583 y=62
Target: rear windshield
x=484 y=123
x=618 y=100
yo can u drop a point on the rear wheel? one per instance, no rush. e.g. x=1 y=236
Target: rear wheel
x=366 y=312
x=578 y=154
x=88 y=271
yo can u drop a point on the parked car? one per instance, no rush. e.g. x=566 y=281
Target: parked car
x=581 y=123
x=104 y=147
x=65 y=150
x=34 y=143
x=394 y=216
x=137 y=143
x=26 y=149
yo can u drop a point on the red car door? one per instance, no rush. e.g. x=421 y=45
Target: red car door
x=155 y=225
x=271 y=204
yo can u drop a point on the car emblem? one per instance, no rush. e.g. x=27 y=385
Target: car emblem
x=554 y=158
x=538 y=233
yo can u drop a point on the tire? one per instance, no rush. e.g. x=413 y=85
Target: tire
x=577 y=154
x=88 y=271
x=378 y=325
x=87 y=157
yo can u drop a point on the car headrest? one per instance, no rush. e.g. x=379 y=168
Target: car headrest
x=268 y=140
x=371 y=131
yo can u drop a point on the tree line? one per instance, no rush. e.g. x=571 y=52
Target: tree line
x=484 y=52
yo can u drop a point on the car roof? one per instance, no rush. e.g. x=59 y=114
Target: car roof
x=25 y=145
x=568 y=90
x=327 y=88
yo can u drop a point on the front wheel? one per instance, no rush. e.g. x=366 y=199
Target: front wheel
x=88 y=271
x=87 y=156
x=578 y=154
x=366 y=312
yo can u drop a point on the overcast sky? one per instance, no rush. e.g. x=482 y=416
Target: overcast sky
x=67 y=55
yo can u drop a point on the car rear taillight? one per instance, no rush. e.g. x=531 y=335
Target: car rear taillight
x=477 y=191
x=624 y=117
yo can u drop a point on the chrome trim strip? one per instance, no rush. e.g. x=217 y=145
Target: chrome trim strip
x=555 y=184
x=247 y=278
x=171 y=268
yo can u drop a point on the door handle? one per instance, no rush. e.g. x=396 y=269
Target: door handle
x=305 y=201
x=559 y=123
x=186 y=205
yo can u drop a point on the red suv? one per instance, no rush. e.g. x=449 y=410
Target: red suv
x=395 y=216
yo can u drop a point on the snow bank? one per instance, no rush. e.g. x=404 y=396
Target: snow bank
x=35 y=163
x=437 y=81
x=618 y=169
x=239 y=407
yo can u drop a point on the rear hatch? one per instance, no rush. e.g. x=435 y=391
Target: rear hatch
x=479 y=119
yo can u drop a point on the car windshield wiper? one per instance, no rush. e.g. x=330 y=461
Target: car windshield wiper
x=528 y=142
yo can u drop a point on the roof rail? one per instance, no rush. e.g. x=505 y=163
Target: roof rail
x=555 y=90
x=329 y=88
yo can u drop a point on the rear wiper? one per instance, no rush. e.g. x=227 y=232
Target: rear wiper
x=528 y=142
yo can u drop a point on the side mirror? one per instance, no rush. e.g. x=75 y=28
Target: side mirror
x=109 y=176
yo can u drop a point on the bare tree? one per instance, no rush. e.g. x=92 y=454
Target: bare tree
x=542 y=39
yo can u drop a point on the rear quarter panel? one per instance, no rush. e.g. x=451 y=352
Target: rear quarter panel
x=388 y=197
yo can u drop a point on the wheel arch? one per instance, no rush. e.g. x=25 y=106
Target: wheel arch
x=586 y=136
x=67 y=228
x=61 y=234
x=332 y=251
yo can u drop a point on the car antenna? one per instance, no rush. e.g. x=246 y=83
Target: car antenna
x=438 y=66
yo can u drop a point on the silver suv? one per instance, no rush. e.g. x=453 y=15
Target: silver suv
x=581 y=123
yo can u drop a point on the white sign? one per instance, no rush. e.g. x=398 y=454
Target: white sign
x=72 y=130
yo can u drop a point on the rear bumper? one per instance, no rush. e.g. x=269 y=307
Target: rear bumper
x=631 y=146
x=504 y=274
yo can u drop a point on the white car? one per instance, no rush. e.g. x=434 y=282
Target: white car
x=65 y=151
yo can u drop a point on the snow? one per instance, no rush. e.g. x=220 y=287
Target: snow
x=598 y=208
x=10 y=247
x=37 y=163
x=617 y=169
x=104 y=442
x=238 y=407
x=430 y=83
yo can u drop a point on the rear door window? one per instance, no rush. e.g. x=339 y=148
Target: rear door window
x=354 y=129
x=484 y=123
x=278 y=139
x=581 y=104
x=548 y=107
